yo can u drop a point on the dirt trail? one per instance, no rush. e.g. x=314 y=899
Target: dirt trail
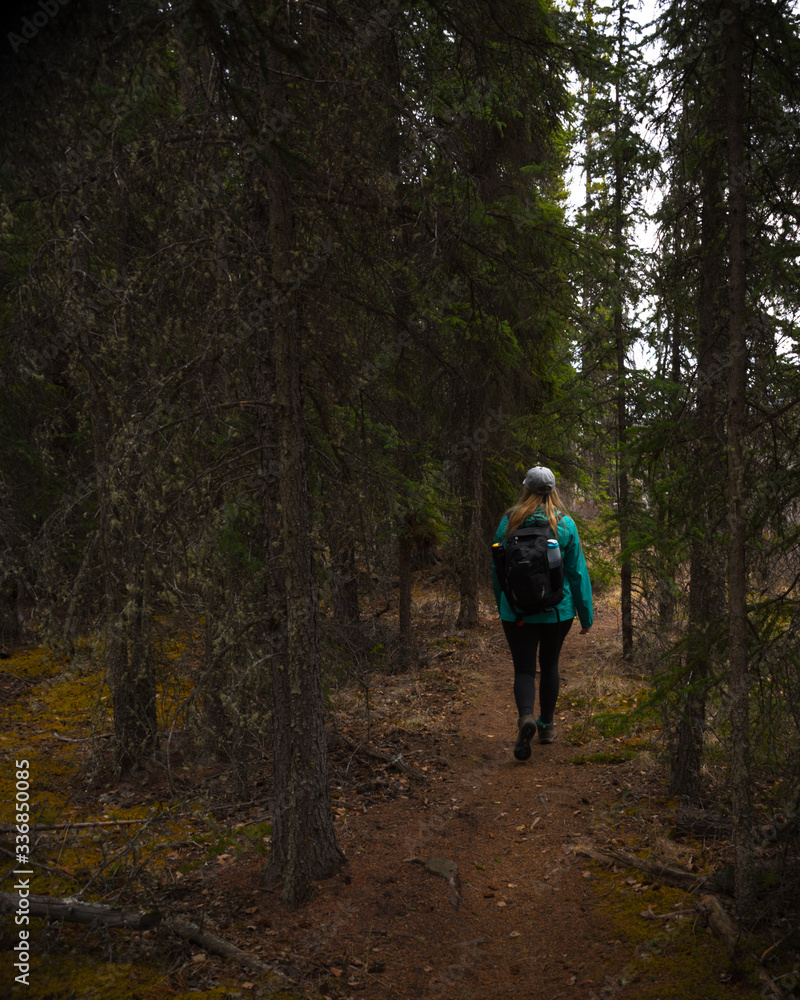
x=526 y=914
x=529 y=922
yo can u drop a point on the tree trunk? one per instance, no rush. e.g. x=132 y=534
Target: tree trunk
x=737 y=412
x=404 y=637
x=129 y=661
x=345 y=576
x=22 y=625
x=623 y=499
x=707 y=556
x=304 y=844
x=122 y=505
x=474 y=555
x=135 y=718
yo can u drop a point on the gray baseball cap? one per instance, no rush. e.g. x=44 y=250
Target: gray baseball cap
x=539 y=480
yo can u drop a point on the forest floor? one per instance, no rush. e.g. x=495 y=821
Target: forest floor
x=467 y=875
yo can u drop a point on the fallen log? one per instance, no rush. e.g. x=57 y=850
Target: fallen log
x=725 y=927
x=679 y=877
x=218 y=946
x=395 y=760
x=720 y=922
x=54 y=908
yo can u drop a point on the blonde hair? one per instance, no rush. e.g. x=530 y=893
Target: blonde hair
x=529 y=503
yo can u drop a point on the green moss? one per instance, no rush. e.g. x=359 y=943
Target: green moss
x=33 y=664
x=52 y=724
x=605 y=757
x=444 y=642
x=675 y=958
x=66 y=977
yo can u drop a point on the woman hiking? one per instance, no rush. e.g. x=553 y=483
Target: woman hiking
x=546 y=630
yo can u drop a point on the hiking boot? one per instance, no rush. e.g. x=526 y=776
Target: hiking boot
x=527 y=727
x=547 y=731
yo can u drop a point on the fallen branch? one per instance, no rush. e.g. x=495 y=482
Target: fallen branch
x=81 y=739
x=725 y=927
x=678 y=877
x=720 y=922
x=39 y=827
x=218 y=946
x=650 y=914
x=30 y=861
x=769 y=988
x=53 y=908
x=395 y=761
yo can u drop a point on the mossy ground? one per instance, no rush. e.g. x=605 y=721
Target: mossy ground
x=677 y=957
x=78 y=976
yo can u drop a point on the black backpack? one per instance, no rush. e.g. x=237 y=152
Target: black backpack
x=530 y=570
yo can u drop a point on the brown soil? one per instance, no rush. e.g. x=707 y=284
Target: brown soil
x=527 y=921
x=526 y=915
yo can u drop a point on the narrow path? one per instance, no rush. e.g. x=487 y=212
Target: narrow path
x=528 y=923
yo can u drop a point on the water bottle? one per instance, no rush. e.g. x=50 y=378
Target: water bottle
x=553 y=553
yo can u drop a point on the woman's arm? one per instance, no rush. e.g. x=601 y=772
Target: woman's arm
x=577 y=573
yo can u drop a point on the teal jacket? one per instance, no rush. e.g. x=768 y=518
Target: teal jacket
x=577 y=585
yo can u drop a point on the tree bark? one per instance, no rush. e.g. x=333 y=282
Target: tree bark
x=304 y=844
x=129 y=660
x=623 y=491
x=737 y=522
x=122 y=516
x=707 y=555
x=404 y=623
x=474 y=544
x=345 y=576
x=54 y=908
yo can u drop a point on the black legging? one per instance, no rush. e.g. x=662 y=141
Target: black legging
x=523 y=641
